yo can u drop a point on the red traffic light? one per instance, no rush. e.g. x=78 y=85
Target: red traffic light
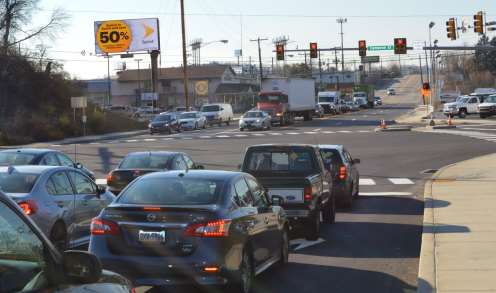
x=362 y=48
x=280 y=52
x=313 y=50
x=400 y=46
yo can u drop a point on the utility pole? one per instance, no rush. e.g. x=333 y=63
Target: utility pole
x=320 y=73
x=185 y=61
x=139 y=83
x=258 y=40
x=341 y=21
x=336 y=59
x=109 y=83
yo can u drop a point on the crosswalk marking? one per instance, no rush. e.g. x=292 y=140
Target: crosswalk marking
x=132 y=140
x=150 y=139
x=275 y=133
x=344 y=131
x=293 y=133
x=401 y=181
x=328 y=132
x=205 y=136
x=310 y=132
x=222 y=136
x=241 y=135
x=258 y=134
x=367 y=181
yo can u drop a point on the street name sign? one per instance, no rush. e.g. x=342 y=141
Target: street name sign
x=381 y=48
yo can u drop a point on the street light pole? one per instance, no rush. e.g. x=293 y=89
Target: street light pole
x=139 y=82
x=109 y=83
x=185 y=61
x=258 y=40
x=341 y=21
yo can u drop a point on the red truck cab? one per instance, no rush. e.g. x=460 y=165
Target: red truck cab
x=276 y=105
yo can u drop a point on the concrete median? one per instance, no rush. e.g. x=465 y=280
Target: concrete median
x=458 y=251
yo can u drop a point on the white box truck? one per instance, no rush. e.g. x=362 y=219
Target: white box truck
x=287 y=98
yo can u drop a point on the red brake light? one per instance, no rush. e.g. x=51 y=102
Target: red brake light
x=103 y=227
x=343 y=173
x=211 y=269
x=218 y=228
x=307 y=193
x=28 y=207
x=151 y=209
x=109 y=178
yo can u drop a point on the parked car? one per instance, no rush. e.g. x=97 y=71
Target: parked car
x=344 y=172
x=60 y=200
x=217 y=113
x=165 y=123
x=31 y=263
x=296 y=173
x=137 y=164
x=391 y=92
x=464 y=106
x=204 y=227
x=353 y=106
x=488 y=108
x=319 y=111
x=192 y=120
x=255 y=120
x=44 y=157
x=378 y=101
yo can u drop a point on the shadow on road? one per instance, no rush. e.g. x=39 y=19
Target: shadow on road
x=106 y=159
x=387 y=205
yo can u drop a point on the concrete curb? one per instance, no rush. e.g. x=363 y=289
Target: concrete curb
x=394 y=129
x=94 y=138
x=441 y=127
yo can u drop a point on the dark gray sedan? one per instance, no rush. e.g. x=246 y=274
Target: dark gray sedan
x=60 y=200
x=213 y=228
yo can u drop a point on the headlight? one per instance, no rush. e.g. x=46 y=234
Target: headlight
x=258 y=120
x=166 y=125
x=149 y=125
x=279 y=114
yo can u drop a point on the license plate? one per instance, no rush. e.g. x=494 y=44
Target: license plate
x=151 y=236
x=290 y=195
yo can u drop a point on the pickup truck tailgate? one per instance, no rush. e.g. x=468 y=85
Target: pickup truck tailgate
x=290 y=195
x=290 y=188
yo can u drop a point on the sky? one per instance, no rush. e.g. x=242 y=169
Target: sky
x=238 y=21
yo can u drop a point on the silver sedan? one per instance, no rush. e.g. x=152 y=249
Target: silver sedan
x=192 y=120
x=62 y=201
x=255 y=120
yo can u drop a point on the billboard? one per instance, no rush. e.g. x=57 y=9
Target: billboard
x=126 y=36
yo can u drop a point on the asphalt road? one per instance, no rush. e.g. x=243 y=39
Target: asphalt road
x=373 y=247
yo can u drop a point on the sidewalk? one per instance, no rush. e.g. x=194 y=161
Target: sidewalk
x=459 y=236
x=93 y=138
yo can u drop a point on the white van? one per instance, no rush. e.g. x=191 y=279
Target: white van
x=329 y=101
x=217 y=113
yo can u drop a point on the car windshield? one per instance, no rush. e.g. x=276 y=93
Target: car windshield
x=273 y=98
x=285 y=161
x=212 y=108
x=14 y=158
x=17 y=182
x=490 y=99
x=172 y=191
x=188 y=115
x=145 y=161
x=253 y=115
x=327 y=99
x=162 y=118
x=464 y=100
x=359 y=95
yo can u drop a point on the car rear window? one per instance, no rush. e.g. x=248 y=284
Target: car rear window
x=331 y=156
x=172 y=191
x=17 y=182
x=8 y=158
x=281 y=161
x=145 y=161
x=214 y=108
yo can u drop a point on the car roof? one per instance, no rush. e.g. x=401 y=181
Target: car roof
x=338 y=147
x=32 y=169
x=32 y=151
x=196 y=174
x=190 y=112
x=165 y=153
x=281 y=145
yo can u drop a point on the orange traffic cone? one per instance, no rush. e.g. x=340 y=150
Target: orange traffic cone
x=450 y=121
x=383 y=124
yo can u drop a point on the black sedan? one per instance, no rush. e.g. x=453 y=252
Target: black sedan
x=344 y=171
x=137 y=164
x=165 y=123
x=44 y=157
x=210 y=228
x=30 y=263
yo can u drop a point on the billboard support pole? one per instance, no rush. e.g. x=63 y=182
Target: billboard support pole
x=154 y=60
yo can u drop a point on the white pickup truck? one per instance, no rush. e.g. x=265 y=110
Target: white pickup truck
x=464 y=105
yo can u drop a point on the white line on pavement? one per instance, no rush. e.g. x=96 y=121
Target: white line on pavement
x=258 y=134
x=167 y=138
x=150 y=139
x=293 y=133
x=302 y=243
x=205 y=136
x=56 y=145
x=344 y=131
x=310 y=132
x=364 y=131
x=328 y=132
x=385 y=193
x=367 y=181
x=132 y=140
x=401 y=181
x=222 y=136
x=275 y=133
x=318 y=129
x=241 y=135
x=187 y=138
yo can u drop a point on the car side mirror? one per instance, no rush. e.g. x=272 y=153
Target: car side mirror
x=78 y=165
x=356 y=161
x=81 y=266
x=277 y=200
x=100 y=190
x=200 y=167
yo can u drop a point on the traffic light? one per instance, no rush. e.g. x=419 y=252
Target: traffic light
x=280 y=52
x=451 y=28
x=362 y=48
x=426 y=86
x=400 y=46
x=313 y=50
x=479 y=22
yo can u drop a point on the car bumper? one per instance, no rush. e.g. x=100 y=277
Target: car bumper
x=450 y=111
x=487 y=111
x=159 y=129
x=250 y=126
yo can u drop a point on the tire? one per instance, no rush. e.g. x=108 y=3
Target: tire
x=243 y=282
x=329 y=211
x=357 y=193
x=269 y=126
x=462 y=113
x=241 y=129
x=204 y=125
x=284 y=249
x=281 y=121
x=483 y=116
x=58 y=236
x=313 y=230
x=228 y=121
x=348 y=201
x=170 y=130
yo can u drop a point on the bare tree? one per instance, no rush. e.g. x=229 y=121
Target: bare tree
x=15 y=21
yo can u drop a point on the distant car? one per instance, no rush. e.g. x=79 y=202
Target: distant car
x=182 y=109
x=192 y=120
x=361 y=102
x=255 y=120
x=217 y=113
x=137 y=164
x=31 y=263
x=488 y=108
x=212 y=228
x=391 y=92
x=345 y=175
x=319 y=111
x=378 y=101
x=60 y=200
x=353 y=106
x=44 y=157
x=165 y=123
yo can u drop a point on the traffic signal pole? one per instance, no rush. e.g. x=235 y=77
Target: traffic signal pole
x=258 y=40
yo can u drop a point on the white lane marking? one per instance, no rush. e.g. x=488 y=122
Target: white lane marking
x=354 y=119
x=473 y=128
x=275 y=133
x=318 y=129
x=328 y=132
x=310 y=132
x=150 y=139
x=385 y=193
x=101 y=181
x=344 y=131
x=94 y=143
x=167 y=138
x=241 y=135
x=293 y=133
x=56 y=145
x=205 y=136
x=367 y=181
x=364 y=131
x=131 y=140
x=187 y=138
x=258 y=134
x=302 y=243
x=401 y=181
x=222 y=136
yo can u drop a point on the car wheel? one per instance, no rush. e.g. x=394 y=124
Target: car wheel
x=284 y=248
x=244 y=282
x=196 y=125
x=357 y=190
x=228 y=121
x=58 y=236
x=483 y=116
x=462 y=113
x=313 y=231
x=170 y=130
x=348 y=201
x=241 y=129
x=269 y=126
x=204 y=125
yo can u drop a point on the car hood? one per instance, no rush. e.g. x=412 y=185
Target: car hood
x=159 y=123
x=451 y=104
x=210 y=113
x=251 y=119
x=487 y=105
x=187 y=120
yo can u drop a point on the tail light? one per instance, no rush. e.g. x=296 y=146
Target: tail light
x=103 y=227
x=109 y=178
x=307 y=193
x=211 y=269
x=28 y=207
x=343 y=173
x=218 y=228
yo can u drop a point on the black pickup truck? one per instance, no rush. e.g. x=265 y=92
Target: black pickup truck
x=297 y=174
